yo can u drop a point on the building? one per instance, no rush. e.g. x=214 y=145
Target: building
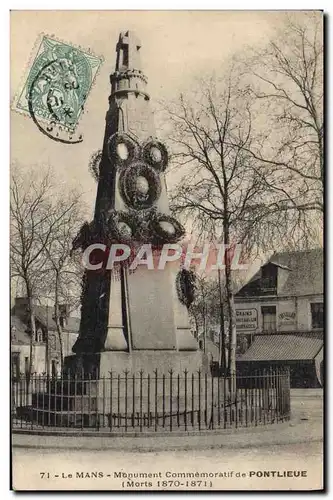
x=280 y=316
x=46 y=346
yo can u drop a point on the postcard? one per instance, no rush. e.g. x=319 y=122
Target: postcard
x=166 y=250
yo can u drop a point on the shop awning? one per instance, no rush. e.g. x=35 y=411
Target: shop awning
x=282 y=348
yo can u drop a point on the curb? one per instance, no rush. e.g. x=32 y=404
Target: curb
x=283 y=434
x=143 y=435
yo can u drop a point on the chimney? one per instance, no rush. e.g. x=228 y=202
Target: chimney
x=21 y=309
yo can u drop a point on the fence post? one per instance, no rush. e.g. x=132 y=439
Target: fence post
x=246 y=404
x=236 y=401
x=141 y=373
x=230 y=399
x=133 y=400
x=111 y=409
x=225 y=415
x=265 y=395
x=82 y=396
x=240 y=389
x=126 y=395
x=170 y=405
x=68 y=396
x=89 y=399
x=185 y=402
x=55 y=388
x=218 y=398
x=192 y=400
x=286 y=392
x=156 y=382
x=279 y=395
x=199 y=387
x=178 y=388
x=206 y=400
x=118 y=401
x=276 y=392
x=270 y=384
x=163 y=399
x=75 y=397
x=148 y=401
x=103 y=404
x=212 y=405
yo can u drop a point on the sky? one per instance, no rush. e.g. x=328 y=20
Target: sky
x=176 y=47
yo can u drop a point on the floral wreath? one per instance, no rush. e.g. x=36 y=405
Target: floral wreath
x=186 y=286
x=132 y=147
x=115 y=232
x=95 y=163
x=148 y=154
x=160 y=235
x=128 y=189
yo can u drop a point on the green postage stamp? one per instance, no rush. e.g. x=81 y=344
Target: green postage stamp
x=58 y=84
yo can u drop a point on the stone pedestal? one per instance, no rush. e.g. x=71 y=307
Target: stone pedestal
x=137 y=389
x=101 y=364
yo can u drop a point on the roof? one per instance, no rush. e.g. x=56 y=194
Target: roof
x=305 y=273
x=277 y=264
x=282 y=348
x=18 y=331
x=45 y=315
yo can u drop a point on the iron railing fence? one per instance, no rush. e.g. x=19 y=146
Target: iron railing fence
x=150 y=402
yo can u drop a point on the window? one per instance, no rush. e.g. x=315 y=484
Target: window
x=125 y=55
x=317 y=315
x=39 y=335
x=13 y=331
x=269 y=278
x=243 y=343
x=15 y=365
x=26 y=365
x=268 y=318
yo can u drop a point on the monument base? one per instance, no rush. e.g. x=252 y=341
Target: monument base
x=100 y=364
x=121 y=391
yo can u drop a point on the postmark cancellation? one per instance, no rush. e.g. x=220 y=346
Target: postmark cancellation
x=58 y=83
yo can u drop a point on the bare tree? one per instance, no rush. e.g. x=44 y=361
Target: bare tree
x=64 y=268
x=198 y=309
x=30 y=232
x=221 y=191
x=288 y=84
x=251 y=151
x=208 y=310
x=37 y=218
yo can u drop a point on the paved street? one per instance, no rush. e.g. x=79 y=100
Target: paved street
x=307 y=404
x=261 y=456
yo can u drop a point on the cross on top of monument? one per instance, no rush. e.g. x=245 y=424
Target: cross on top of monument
x=128 y=56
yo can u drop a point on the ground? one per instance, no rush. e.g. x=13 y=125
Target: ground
x=248 y=456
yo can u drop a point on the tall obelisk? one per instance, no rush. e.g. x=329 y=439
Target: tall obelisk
x=132 y=320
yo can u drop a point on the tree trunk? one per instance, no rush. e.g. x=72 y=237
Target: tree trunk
x=32 y=328
x=196 y=326
x=222 y=343
x=57 y=321
x=204 y=326
x=231 y=312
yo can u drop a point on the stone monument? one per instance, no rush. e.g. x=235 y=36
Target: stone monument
x=133 y=321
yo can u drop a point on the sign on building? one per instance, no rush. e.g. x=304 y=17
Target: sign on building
x=246 y=319
x=287 y=315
